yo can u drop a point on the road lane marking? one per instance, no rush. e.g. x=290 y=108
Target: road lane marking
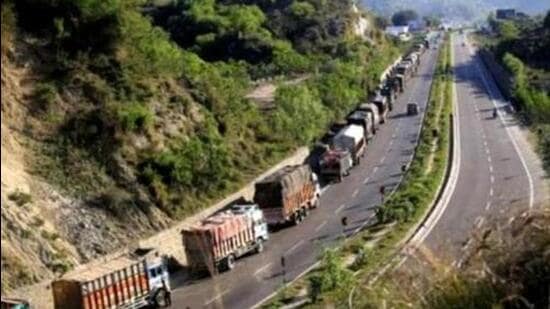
x=491 y=169
x=491 y=192
x=320 y=226
x=366 y=180
x=507 y=129
x=339 y=208
x=492 y=177
x=485 y=143
x=296 y=245
x=217 y=297
x=391 y=143
x=383 y=159
x=261 y=269
x=355 y=193
x=489 y=159
x=375 y=170
x=488 y=206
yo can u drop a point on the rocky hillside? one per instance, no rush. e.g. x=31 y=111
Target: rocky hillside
x=121 y=116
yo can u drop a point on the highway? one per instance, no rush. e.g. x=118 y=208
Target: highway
x=257 y=276
x=499 y=173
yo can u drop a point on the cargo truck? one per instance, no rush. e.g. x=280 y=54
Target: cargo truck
x=13 y=303
x=383 y=108
x=130 y=281
x=352 y=139
x=364 y=119
x=335 y=164
x=288 y=194
x=218 y=241
x=373 y=111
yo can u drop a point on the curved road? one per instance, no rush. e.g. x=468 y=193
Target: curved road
x=499 y=174
x=258 y=276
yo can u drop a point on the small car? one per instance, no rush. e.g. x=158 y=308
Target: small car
x=412 y=109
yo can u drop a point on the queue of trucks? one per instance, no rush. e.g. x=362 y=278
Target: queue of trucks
x=215 y=243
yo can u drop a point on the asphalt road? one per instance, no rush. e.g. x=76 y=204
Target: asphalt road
x=495 y=180
x=257 y=276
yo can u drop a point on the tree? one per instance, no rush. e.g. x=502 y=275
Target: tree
x=402 y=18
x=547 y=21
x=432 y=21
x=508 y=30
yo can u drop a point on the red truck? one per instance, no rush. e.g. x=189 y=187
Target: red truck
x=288 y=194
x=218 y=241
x=130 y=281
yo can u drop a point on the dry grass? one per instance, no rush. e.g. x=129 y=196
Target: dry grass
x=506 y=265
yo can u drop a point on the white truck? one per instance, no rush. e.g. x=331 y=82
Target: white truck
x=352 y=139
x=216 y=243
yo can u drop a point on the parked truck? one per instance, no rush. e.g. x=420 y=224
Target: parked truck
x=288 y=194
x=364 y=119
x=381 y=102
x=372 y=110
x=352 y=139
x=14 y=303
x=335 y=164
x=130 y=281
x=218 y=241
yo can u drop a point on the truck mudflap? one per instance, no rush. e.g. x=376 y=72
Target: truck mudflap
x=274 y=216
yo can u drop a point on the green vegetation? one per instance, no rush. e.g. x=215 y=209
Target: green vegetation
x=334 y=283
x=522 y=47
x=152 y=97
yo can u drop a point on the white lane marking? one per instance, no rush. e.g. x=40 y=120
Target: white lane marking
x=366 y=180
x=296 y=245
x=491 y=192
x=320 y=226
x=491 y=170
x=492 y=177
x=339 y=208
x=355 y=193
x=375 y=170
x=391 y=143
x=216 y=297
x=489 y=159
x=485 y=143
x=507 y=129
x=383 y=159
x=261 y=269
x=488 y=206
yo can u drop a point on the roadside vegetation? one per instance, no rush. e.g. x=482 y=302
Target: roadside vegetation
x=521 y=46
x=350 y=267
x=506 y=266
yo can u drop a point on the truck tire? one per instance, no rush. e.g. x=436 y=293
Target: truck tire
x=305 y=212
x=230 y=262
x=259 y=245
x=316 y=204
x=161 y=299
x=297 y=218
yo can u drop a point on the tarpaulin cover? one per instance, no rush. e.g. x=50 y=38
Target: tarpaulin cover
x=271 y=191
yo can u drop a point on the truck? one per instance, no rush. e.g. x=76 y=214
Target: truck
x=135 y=280
x=335 y=164
x=352 y=139
x=372 y=110
x=217 y=242
x=363 y=119
x=287 y=195
x=381 y=102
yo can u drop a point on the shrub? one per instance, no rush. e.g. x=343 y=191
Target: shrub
x=20 y=198
x=44 y=95
x=134 y=116
x=8 y=25
x=333 y=276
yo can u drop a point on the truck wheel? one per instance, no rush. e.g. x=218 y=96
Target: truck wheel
x=305 y=212
x=316 y=204
x=259 y=245
x=230 y=262
x=161 y=299
x=297 y=218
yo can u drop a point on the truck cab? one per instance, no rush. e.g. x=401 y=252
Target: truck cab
x=256 y=214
